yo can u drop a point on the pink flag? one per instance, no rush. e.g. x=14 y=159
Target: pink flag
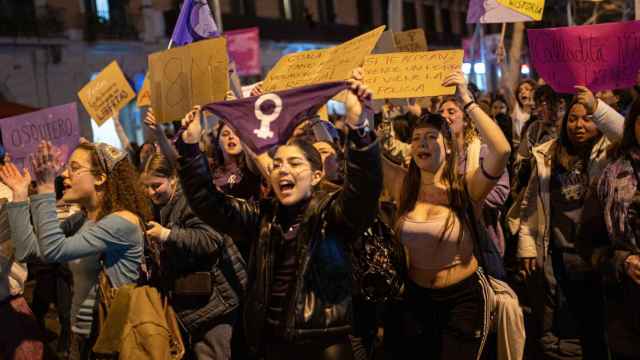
x=244 y=49
x=600 y=57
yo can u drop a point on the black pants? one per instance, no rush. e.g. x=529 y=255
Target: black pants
x=325 y=349
x=53 y=285
x=585 y=298
x=449 y=321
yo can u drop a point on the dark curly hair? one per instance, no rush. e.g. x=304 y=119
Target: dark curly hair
x=122 y=189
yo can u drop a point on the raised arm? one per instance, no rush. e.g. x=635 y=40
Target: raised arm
x=357 y=203
x=166 y=147
x=498 y=150
x=226 y=214
x=609 y=121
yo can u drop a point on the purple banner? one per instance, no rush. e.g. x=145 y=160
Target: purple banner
x=244 y=49
x=268 y=120
x=600 y=57
x=21 y=134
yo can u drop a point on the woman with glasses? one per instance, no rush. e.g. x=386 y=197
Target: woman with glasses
x=107 y=234
x=299 y=299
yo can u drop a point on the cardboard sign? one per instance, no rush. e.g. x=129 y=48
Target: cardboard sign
x=386 y=43
x=407 y=75
x=181 y=78
x=21 y=134
x=144 y=95
x=600 y=57
x=244 y=49
x=490 y=11
x=411 y=40
x=105 y=95
x=316 y=66
x=531 y=8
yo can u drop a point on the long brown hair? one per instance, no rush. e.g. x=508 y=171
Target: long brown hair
x=121 y=190
x=451 y=174
x=470 y=132
x=158 y=165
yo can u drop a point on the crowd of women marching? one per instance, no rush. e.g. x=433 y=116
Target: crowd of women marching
x=516 y=213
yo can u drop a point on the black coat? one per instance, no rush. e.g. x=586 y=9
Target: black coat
x=193 y=246
x=321 y=300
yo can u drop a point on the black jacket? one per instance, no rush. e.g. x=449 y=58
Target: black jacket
x=321 y=301
x=193 y=246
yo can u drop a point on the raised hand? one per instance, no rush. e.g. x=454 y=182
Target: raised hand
x=18 y=182
x=257 y=90
x=46 y=164
x=358 y=95
x=191 y=124
x=585 y=97
x=151 y=122
x=456 y=79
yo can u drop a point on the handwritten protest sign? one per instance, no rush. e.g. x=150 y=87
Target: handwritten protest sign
x=531 y=8
x=144 y=95
x=410 y=40
x=21 y=134
x=489 y=11
x=407 y=75
x=195 y=74
x=105 y=95
x=601 y=57
x=316 y=66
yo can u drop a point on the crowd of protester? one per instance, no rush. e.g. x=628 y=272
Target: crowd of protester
x=518 y=214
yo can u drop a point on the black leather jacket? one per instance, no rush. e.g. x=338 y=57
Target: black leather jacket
x=321 y=301
x=193 y=246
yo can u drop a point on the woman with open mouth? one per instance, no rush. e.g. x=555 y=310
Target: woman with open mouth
x=437 y=207
x=298 y=303
x=103 y=182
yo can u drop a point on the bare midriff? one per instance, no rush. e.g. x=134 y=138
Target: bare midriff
x=437 y=279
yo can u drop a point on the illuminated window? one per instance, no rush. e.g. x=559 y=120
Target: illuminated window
x=102 y=9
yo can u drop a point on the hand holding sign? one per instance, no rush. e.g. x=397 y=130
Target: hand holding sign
x=191 y=124
x=585 y=97
x=16 y=181
x=456 y=79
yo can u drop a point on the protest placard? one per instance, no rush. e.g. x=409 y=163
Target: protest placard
x=181 y=78
x=385 y=43
x=531 y=8
x=144 y=95
x=105 y=95
x=21 y=134
x=410 y=40
x=244 y=50
x=600 y=57
x=490 y=11
x=407 y=75
x=316 y=66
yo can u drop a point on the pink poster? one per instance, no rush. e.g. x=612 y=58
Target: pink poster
x=21 y=134
x=602 y=57
x=244 y=50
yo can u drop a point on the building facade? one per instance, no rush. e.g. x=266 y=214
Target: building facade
x=50 y=48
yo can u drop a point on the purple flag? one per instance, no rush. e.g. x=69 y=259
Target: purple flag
x=267 y=120
x=195 y=22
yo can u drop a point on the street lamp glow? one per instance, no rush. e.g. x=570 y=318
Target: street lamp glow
x=479 y=68
x=524 y=69
x=466 y=68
